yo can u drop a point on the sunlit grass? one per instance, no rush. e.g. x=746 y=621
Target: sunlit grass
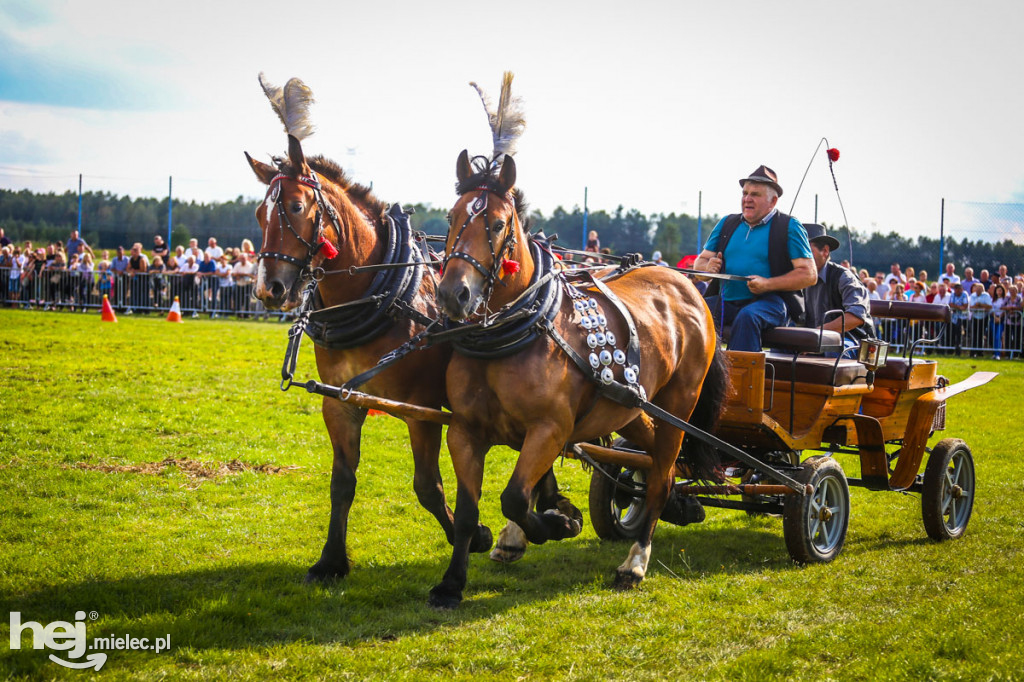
x=218 y=562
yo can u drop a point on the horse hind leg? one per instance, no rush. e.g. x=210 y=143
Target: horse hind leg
x=667 y=442
x=425 y=439
x=512 y=542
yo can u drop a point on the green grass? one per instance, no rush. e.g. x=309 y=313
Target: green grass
x=89 y=522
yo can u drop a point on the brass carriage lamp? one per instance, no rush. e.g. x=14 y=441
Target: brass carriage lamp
x=873 y=353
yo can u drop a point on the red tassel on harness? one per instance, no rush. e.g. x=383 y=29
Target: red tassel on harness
x=509 y=267
x=330 y=251
x=833 y=154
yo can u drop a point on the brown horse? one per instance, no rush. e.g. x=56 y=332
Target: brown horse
x=315 y=217
x=539 y=399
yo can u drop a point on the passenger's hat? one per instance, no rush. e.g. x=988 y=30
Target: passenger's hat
x=816 y=233
x=766 y=176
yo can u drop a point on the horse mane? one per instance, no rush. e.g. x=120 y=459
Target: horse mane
x=485 y=176
x=357 y=193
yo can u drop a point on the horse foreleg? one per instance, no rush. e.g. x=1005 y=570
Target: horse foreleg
x=344 y=424
x=425 y=438
x=468 y=461
x=540 y=448
x=511 y=544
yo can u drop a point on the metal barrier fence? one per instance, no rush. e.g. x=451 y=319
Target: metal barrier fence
x=147 y=292
x=976 y=337
x=218 y=297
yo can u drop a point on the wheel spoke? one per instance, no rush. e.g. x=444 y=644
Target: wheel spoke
x=815 y=528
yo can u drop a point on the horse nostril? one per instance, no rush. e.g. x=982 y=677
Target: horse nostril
x=463 y=296
x=276 y=290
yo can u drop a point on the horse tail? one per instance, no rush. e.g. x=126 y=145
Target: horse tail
x=701 y=457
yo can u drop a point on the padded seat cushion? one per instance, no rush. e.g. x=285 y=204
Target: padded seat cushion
x=896 y=368
x=802 y=340
x=816 y=370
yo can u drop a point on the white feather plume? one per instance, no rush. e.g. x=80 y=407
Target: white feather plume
x=291 y=104
x=507 y=121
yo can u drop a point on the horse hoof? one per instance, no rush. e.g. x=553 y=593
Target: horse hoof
x=626 y=580
x=440 y=598
x=319 y=575
x=561 y=526
x=482 y=539
x=570 y=510
x=507 y=554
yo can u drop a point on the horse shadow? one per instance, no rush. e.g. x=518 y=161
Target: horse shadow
x=264 y=603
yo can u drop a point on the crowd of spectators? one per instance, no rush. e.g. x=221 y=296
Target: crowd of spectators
x=986 y=311
x=70 y=275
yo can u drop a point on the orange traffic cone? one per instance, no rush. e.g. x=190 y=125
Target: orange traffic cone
x=175 y=314
x=107 y=315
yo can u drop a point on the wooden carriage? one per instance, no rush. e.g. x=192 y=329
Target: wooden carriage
x=792 y=409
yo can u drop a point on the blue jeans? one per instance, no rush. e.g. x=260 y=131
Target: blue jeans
x=749 y=318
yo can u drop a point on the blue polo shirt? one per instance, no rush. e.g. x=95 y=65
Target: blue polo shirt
x=747 y=252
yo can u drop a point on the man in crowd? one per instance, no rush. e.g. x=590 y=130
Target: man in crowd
x=74 y=242
x=769 y=247
x=160 y=248
x=968 y=280
x=213 y=251
x=880 y=286
x=836 y=288
x=119 y=270
x=895 y=276
x=243 y=273
x=4 y=241
x=960 y=305
x=949 y=276
x=194 y=251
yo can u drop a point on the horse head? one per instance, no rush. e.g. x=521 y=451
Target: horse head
x=486 y=240
x=299 y=224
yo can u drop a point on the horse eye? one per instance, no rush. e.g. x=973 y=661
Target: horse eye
x=297 y=207
x=498 y=225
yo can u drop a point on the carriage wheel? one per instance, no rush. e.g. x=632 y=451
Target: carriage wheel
x=614 y=513
x=814 y=525
x=948 y=496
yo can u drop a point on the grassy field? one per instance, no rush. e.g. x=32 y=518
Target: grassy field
x=153 y=474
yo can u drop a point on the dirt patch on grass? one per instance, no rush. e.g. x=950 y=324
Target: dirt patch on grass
x=192 y=468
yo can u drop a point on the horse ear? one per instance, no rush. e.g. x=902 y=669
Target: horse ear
x=264 y=172
x=296 y=156
x=507 y=177
x=463 y=168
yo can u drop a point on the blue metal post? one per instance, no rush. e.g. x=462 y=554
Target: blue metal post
x=170 y=212
x=700 y=198
x=584 y=218
x=942 y=236
x=80 y=206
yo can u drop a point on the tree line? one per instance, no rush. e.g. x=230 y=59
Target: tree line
x=109 y=220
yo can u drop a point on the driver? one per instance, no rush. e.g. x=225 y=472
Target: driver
x=770 y=247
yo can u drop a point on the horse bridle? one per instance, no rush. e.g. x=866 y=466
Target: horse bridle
x=322 y=206
x=479 y=208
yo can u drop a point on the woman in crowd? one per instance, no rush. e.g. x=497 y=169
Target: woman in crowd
x=918 y=293
x=248 y=249
x=56 y=271
x=157 y=282
x=981 y=304
x=996 y=321
x=225 y=285
x=85 y=280
x=1012 y=310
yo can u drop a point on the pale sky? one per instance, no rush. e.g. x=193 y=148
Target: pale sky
x=644 y=103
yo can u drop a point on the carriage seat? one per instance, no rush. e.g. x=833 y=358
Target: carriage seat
x=898 y=368
x=812 y=370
